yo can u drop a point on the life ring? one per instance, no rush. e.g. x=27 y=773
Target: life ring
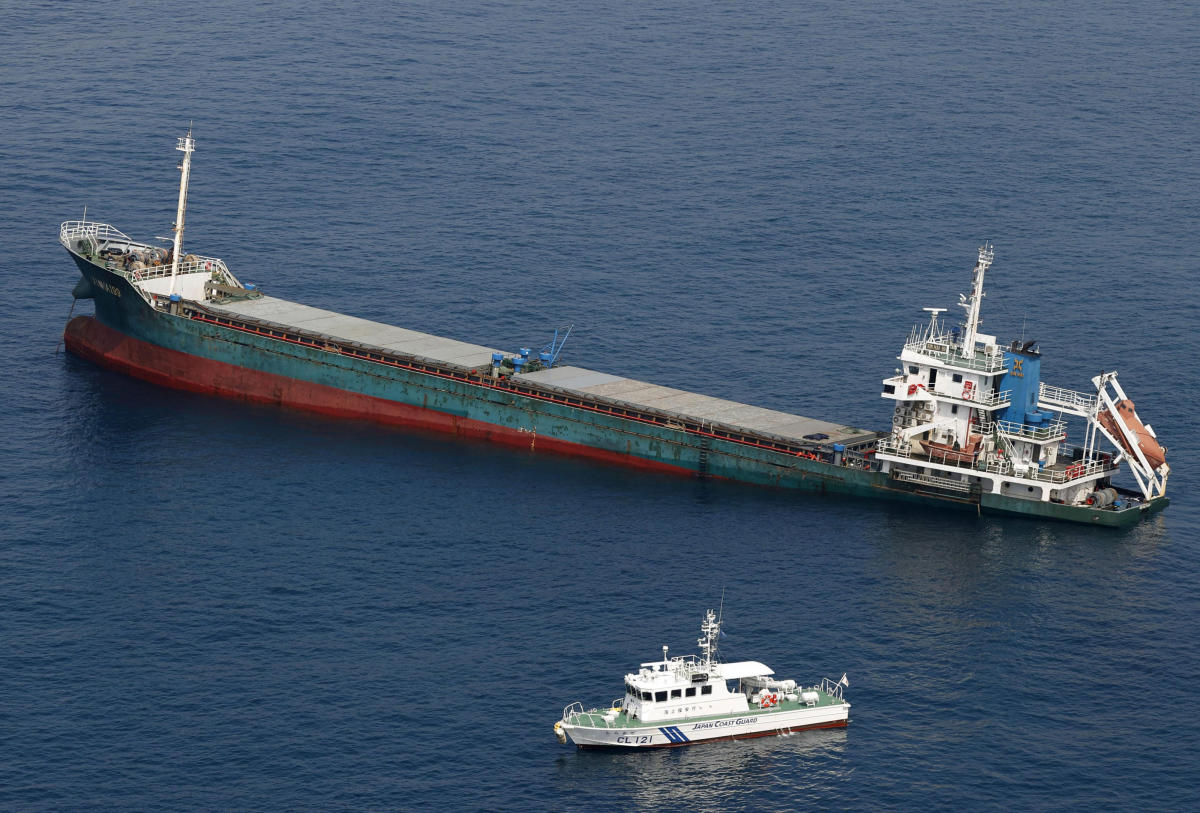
x=968 y=390
x=912 y=389
x=768 y=700
x=208 y=265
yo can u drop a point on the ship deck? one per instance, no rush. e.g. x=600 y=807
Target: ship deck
x=578 y=382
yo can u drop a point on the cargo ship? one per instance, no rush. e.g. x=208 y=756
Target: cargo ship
x=973 y=426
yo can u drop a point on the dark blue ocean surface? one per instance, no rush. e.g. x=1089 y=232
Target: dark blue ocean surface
x=211 y=605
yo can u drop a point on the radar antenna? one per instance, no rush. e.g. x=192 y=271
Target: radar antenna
x=933 y=316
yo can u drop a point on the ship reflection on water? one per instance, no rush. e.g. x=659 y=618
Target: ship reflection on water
x=791 y=768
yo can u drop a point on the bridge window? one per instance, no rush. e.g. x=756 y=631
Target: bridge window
x=690 y=692
x=707 y=689
x=660 y=696
x=647 y=696
x=677 y=693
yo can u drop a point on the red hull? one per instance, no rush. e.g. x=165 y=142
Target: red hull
x=94 y=341
x=836 y=724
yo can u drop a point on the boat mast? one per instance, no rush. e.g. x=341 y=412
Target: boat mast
x=186 y=145
x=972 y=305
x=711 y=628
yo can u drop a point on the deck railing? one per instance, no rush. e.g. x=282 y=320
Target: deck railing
x=944 y=349
x=932 y=480
x=1069 y=400
x=75 y=229
x=985 y=398
x=832 y=688
x=1030 y=432
x=575 y=715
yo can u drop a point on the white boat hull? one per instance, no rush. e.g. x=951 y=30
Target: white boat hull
x=755 y=723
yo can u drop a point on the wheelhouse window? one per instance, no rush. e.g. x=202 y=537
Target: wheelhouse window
x=647 y=696
x=690 y=691
x=675 y=693
x=660 y=696
x=707 y=689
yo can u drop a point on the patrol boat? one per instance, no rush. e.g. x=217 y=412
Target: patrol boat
x=691 y=699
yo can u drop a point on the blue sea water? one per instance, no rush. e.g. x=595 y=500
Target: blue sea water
x=210 y=605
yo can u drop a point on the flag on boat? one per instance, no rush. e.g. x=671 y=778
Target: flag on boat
x=845 y=681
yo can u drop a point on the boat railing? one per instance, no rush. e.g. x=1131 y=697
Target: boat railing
x=1073 y=471
x=890 y=445
x=945 y=349
x=211 y=266
x=574 y=714
x=1080 y=403
x=76 y=229
x=986 y=398
x=833 y=688
x=1023 y=430
x=932 y=480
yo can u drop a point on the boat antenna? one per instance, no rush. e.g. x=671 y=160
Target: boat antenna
x=972 y=304
x=186 y=145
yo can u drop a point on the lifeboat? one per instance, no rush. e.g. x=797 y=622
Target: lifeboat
x=1155 y=454
x=945 y=452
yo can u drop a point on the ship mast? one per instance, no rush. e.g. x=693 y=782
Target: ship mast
x=711 y=628
x=186 y=145
x=972 y=305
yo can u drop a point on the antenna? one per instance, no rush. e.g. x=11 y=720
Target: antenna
x=186 y=145
x=933 y=315
x=971 y=305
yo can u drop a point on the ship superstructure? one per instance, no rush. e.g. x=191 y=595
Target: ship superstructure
x=973 y=417
x=973 y=426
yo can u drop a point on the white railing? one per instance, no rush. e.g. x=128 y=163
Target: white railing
x=201 y=265
x=985 y=398
x=1023 y=430
x=931 y=480
x=575 y=715
x=945 y=349
x=902 y=449
x=999 y=465
x=831 y=688
x=102 y=232
x=75 y=229
x=1074 y=471
x=1069 y=400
